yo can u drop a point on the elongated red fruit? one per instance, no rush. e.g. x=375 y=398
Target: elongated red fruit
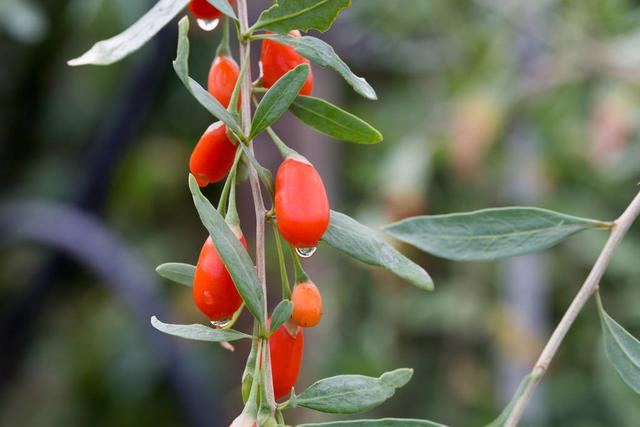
x=202 y=9
x=286 y=358
x=277 y=59
x=223 y=76
x=213 y=290
x=301 y=204
x=307 y=305
x=213 y=156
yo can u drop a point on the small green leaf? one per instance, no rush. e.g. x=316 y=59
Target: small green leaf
x=351 y=394
x=622 y=349
x=198 y=332
x=489 y=234
x=281 y=314
x=177 y=272
x=235 y=257
x=263 y=173
x=112 y=50
x=502 y=418
x=224 y=7
x=208 y=101
x=278 y=99
x=323 y=54
x=364 y=244
x=334 y=121
x=287 y=15
x=382 y=422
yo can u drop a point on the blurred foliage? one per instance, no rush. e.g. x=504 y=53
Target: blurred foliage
x=482 y=103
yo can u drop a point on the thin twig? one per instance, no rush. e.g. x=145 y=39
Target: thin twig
x=618 y=231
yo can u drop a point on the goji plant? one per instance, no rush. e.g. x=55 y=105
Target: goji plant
x=226 y=280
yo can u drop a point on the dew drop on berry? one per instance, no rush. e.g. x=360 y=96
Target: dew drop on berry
x=306 y=252
x=208 y=24
x=219 y=324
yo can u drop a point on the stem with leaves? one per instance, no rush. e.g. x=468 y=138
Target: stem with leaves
x=589 y=287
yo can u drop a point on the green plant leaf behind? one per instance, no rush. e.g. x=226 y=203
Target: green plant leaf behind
x=281 y=314
x=235 y=257
x=352 y=394
x=112 y=50
x=323 y=54
x=499 y=422
x=177 y=272
x=198 y=332
x=278 y=99
x=622 y=349
x=208 y=101
x=382 y=422
x=287 y=15
x=364 y=244
x=489 y=234
x=225 y=7
x=334 y=121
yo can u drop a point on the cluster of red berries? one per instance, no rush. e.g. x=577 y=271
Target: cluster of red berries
x=301 y=209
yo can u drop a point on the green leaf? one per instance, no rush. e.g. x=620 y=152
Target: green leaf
x=281 y=314
x=263 y=173
x=177 y=272
x=323 y=54
x=622 y=349
x=364 y=244
x=277 y=99
x=382 y=422
x=351 y=394
x=235 y=257
x=502 y=418
x=198 y=332
x=225 y=7
x=334 y=121
x=112 y=50
x=287 y=15
x=208 y=101
x=489 y=234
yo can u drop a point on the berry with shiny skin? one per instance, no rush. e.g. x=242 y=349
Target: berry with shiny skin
x=213 y=156
x=277 y=59
x=307 y=305
x=223 y=76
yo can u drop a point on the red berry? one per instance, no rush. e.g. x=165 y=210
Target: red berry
x=277 y=59
x=223 y=76
x=213 y=290
x=301 y=204
x=307 y=305
x=286 y=358
x=202 y=9
x=213 y=156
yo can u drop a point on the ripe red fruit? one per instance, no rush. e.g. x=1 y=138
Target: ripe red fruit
x=307 y=305
x=286 y=358
x=301 y=204
x=223 y=76
x=202 y=9
x=277 y=59
x=213 y=156
x=213 y=290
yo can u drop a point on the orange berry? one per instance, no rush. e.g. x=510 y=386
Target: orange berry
x=307 y=305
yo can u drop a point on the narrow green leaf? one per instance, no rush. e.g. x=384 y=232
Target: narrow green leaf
x=287 y=15
x=263 y=173
x=351 y=394
x=177 y=272
x=281 y=314
x=278 y=99
x=323 y=54
x=224 y=7
x=364 y=244
x=489 y=234
x=198 y=332
x=208 y=101
x=499 y=422
x=622 y=349
x=235 y=257
x=112 y=50
x=382 y=422
x=334 y=121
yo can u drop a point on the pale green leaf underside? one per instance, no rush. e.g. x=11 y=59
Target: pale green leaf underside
x=382 y=422
x=198 y=332
x=224 y=7
x=281 y=314
x=287 y=15
x=364 y=244
x=111 y=50
x=489 y=234
x=499 y=422
x=177 y=272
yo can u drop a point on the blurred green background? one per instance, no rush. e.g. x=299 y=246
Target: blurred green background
x=482 y=103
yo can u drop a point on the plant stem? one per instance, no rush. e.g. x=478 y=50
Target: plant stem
x=255 y=190
x=589 y=287
x=286 y=288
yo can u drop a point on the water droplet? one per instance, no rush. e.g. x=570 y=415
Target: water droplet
x=208 y=24
x=219 y=324
x=306 y=252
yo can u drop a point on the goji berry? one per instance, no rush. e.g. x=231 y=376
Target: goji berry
x=277 y=59
x=286 y=348
x=213 y=156
x=202 y=9
x=223 y=76
x=307 y=305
